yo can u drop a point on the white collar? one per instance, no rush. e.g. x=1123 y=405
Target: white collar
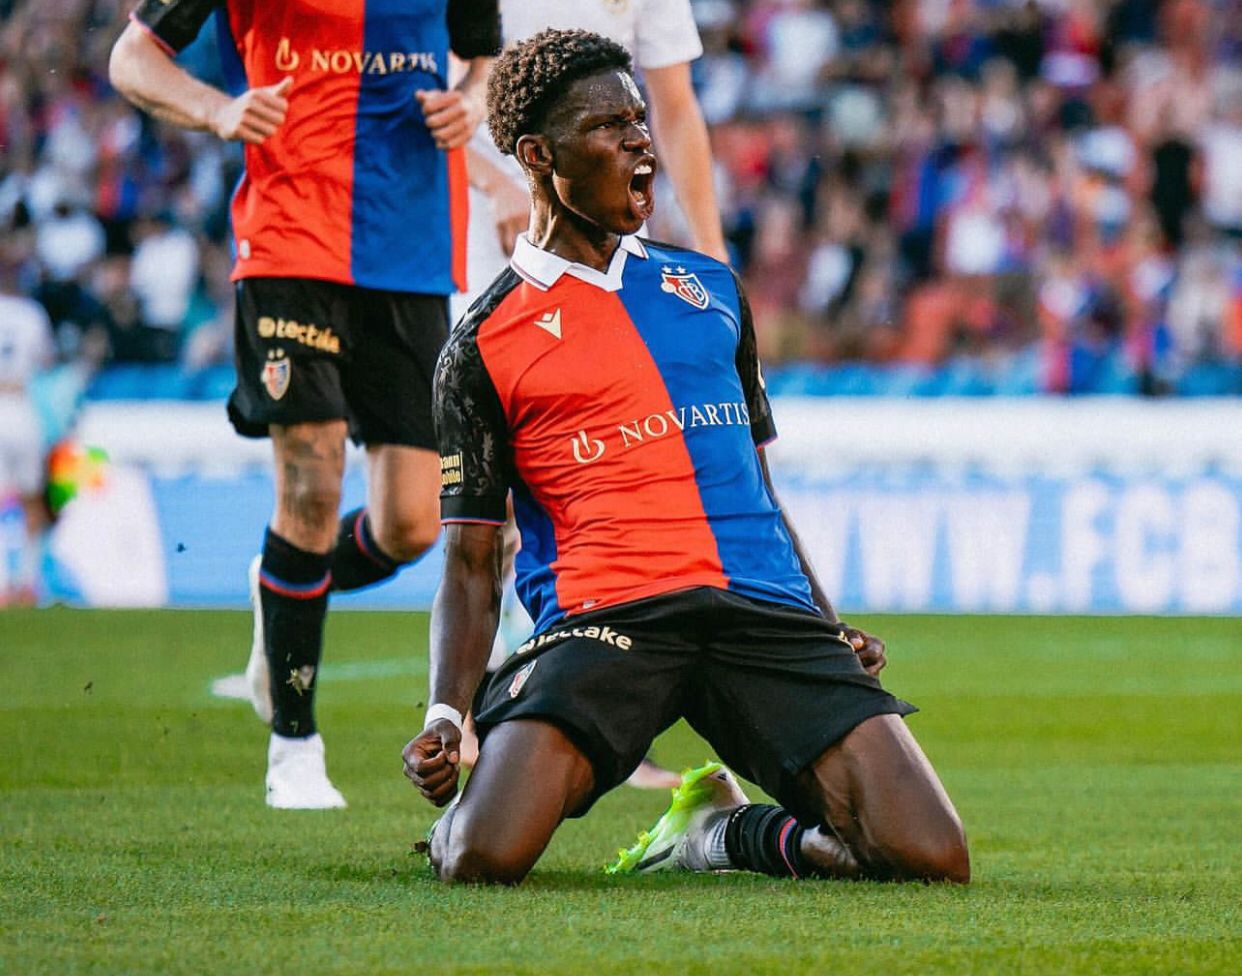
x=543 y=269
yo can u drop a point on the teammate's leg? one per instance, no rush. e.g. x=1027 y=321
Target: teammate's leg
x=294 y=578
x=529 y=778
x=400 y=521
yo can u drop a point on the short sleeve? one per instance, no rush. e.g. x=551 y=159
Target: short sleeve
x=474 y=28
x=665 y=34
x=762 y=424
x=174 y=23
x=472 y=435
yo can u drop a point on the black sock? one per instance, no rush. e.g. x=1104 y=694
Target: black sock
x=764 y=838
x=293 y=588
x=357 y=560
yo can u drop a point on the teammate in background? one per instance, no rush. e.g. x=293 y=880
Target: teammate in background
x=348 y=227
x=612 y=383
x=26 y=348
x=662 y=38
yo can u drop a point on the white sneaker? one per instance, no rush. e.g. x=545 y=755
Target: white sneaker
x=258 y=676
x=296 y=776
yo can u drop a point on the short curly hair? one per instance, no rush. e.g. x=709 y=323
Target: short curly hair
x=528 y=78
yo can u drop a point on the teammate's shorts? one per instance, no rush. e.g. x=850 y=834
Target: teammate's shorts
x=309 y=350
x=769 y=686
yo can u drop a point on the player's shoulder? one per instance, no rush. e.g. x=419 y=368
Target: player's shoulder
x=461 y=349
x=679 y=262
x=663 y=251
x=483 y=307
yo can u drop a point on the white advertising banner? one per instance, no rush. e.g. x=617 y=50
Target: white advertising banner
x=987 y=505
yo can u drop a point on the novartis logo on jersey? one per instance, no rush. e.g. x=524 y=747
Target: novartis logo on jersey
x=341 y=61
x=587 y=449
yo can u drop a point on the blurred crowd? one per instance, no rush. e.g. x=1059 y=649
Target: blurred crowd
x=1048 y=192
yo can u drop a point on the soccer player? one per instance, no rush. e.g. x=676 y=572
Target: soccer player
x=347 y=228
x=612 y=383
x=662 y=38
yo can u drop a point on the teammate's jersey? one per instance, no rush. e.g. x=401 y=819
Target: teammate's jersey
x=623 y=409
x=351 y=188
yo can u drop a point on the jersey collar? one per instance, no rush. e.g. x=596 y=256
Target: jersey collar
x=543 y=269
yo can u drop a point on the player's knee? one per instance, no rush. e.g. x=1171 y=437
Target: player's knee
x=469 y=862
x=405 y=538
x=932 y=855
x=312 y=502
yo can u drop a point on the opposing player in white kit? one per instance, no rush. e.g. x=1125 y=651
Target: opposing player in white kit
x=26 y=348
x=662 y=38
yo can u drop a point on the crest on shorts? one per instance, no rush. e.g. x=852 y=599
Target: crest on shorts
x=685 y=285
x=276 y=373
x=519 y=679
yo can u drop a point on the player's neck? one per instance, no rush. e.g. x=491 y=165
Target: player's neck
x=568 y=236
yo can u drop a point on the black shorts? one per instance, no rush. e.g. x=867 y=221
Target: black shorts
x=769 y=686
x=309 y=350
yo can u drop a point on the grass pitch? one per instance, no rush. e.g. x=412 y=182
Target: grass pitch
x=1096 y=762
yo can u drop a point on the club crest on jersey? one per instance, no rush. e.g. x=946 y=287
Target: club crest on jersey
x=685 y=285
x=519 y=679
x=276 y=373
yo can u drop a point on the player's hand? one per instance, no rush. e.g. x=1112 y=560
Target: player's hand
x=870 y=650
x=452 y=116
x=511 y=209
x=253 y=115
x=432 y=761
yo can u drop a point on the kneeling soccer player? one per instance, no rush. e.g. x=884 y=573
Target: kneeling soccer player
x=612 y=384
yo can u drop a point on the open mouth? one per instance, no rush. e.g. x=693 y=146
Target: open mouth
x=642 y=189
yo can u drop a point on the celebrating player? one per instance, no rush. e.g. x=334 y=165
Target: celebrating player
x=347 y=233
x=662 y=39
x=612 y=383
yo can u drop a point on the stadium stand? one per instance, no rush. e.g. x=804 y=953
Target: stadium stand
x=926 y=197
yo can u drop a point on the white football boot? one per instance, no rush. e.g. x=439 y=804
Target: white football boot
x=258 y=675
x=297 y=778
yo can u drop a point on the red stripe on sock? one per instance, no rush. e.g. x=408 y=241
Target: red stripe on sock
x=786 y=830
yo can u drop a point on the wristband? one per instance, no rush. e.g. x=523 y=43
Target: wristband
x=440 y=710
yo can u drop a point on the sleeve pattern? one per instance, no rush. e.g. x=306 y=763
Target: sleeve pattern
x=472 y=433
x=175 y=22
x=762 y=424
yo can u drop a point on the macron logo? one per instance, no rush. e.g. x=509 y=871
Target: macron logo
x=550 y=322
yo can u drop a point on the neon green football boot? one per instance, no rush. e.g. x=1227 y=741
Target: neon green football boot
x=705 y=793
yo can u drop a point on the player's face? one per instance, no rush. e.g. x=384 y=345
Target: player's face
x=602 y=166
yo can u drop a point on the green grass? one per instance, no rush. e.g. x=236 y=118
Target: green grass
x=1097 y=763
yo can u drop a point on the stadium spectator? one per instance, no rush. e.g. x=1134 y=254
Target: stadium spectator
x=341 y=310
x=1010 y=114
x=708 y=612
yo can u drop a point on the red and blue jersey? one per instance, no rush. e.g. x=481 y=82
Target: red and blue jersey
x=623 y=410
x=351 y=188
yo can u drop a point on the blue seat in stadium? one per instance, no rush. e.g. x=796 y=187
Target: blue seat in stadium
x=138 y=381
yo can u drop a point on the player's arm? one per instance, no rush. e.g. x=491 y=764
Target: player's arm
x=475 y=474
x=474 y=35
x=143 y=70
x=870 y=650
x=685 y=153
x=464 y=617
x=509 y=199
